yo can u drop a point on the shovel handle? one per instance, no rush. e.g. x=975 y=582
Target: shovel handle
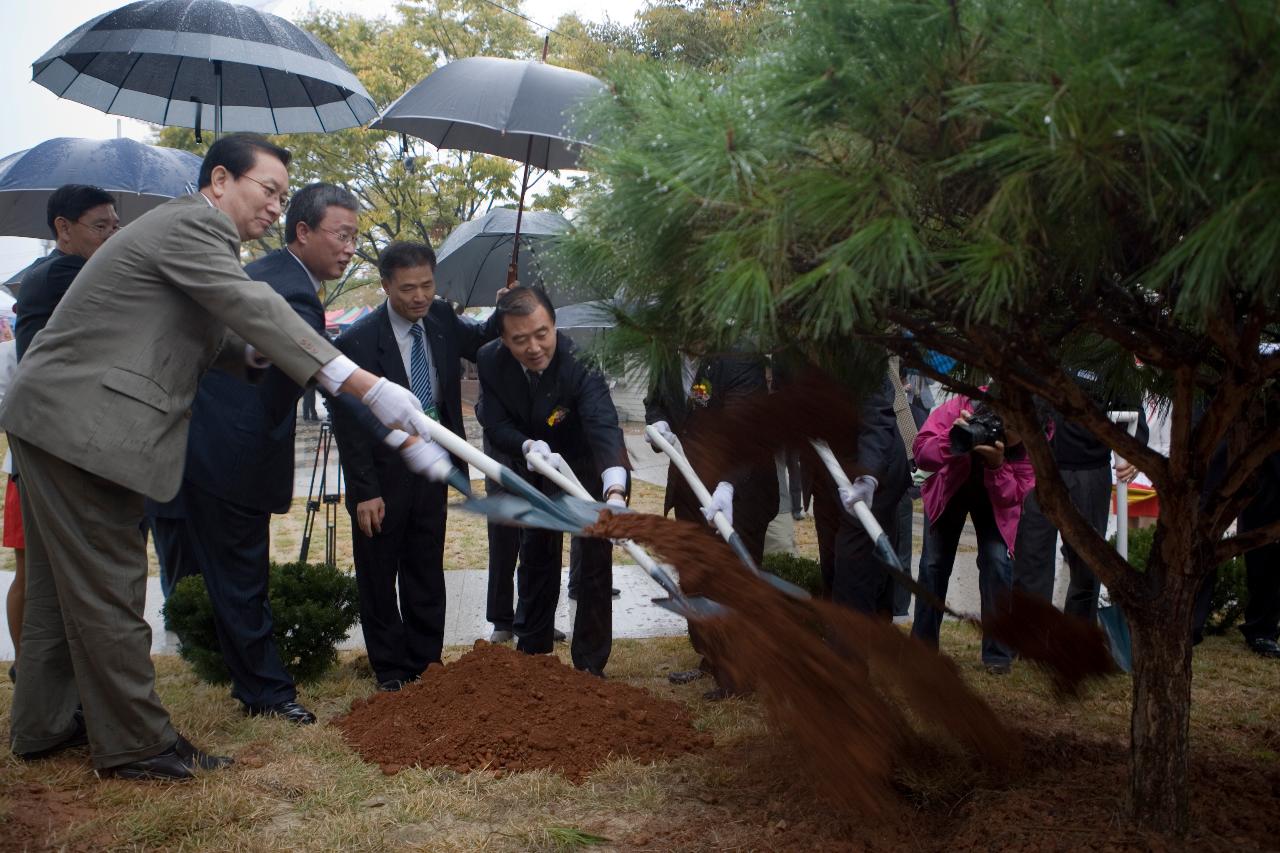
x=677 y=457
x=573 y=487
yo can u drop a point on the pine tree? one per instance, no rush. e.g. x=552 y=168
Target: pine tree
x=1020 y=184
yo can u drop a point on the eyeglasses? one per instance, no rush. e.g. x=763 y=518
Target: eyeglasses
x=102 y=229
x=270 y=190
x=346 y=238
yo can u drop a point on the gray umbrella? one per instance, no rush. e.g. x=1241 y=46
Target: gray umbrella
x=139 y=176
x=514 y=108
x=471 y=263
x=205 y=63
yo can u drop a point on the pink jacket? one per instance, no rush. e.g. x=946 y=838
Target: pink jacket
x=1006 y=485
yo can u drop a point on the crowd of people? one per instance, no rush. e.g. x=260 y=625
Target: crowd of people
x=157 y=387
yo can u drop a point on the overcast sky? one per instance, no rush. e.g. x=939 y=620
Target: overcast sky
x=33 y=114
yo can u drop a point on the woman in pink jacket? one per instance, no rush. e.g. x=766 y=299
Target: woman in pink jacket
x=988 y=485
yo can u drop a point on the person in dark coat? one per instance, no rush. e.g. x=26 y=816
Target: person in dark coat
x=537 y=396
x=398 y=520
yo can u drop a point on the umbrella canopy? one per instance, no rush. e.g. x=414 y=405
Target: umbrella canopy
x=173 y=62
x=139 y=176
x=471 y=263
x=498 y=106
x=586 y=315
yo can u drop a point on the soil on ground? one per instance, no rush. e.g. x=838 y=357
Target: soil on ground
x=500 y=710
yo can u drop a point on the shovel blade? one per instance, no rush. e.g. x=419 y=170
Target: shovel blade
x=509 y=509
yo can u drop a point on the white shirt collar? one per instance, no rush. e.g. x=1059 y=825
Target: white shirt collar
x=400 y=325
x=315 y=282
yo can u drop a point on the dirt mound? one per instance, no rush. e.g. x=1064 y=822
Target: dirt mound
x=498 y=709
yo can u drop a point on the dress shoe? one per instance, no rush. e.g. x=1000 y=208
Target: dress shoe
x=1265 y=647
x=685 y=676
x=501 y=637
x=13 y=673
x=999 y=668
x=392 y=685
x=291 y=711
x=168 y=766
x=78 y=737
x=558 y=635
x=198 y=760
x=614 y=591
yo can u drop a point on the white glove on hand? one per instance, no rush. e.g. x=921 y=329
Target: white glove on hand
x=721 y=501
x=862 y=489
x=616 y=500
x=664 y=430
x=393 y=405
x=538 y=448
x=428 y=459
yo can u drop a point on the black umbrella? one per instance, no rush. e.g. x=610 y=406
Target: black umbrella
x=194 y=63
x=513 y=108
x=140 y=177
x=471 y=263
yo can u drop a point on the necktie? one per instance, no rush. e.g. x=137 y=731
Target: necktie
x=533 y=381
x=420 y=370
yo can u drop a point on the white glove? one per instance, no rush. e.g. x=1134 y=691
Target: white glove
x=664 y=430
x=426 y=458
x=538 y=448
x=617 y=500
x=721 y=501
x=862 y=489
x=393 y=405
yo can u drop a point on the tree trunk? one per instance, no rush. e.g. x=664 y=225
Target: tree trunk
x=1160 y=724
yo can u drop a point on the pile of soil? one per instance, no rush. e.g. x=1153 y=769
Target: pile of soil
x=498 y=709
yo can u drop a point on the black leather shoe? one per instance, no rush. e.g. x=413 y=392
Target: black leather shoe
x=685 y=676
x=168 y=766
x=557 y=635
x=78 y=737
x=1266 y=648
x=291 y=711
x=197 y=760
x=614 y=591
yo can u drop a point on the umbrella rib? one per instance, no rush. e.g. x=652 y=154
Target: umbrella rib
x=120 y=88
x=312 y=101
x=266 y=91
x=168 y=103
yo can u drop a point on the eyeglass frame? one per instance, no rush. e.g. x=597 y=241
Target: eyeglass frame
x=352 y=240
x=102 y=230
x=281 y=195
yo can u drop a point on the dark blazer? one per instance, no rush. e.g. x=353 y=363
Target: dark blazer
x=372 y=469
x=881 y=452
x=241 y=442
x=728 y=379
x=42 y=289
x=571 y=411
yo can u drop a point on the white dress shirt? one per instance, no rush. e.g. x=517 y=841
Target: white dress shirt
x=400 y=326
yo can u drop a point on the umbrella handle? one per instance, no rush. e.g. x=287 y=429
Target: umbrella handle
x=573 y=487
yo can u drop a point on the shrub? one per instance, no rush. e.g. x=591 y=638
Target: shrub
x=314 y=606
x=1229 y=593
x=801 y=571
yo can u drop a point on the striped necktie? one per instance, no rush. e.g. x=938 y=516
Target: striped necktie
x=420 y=369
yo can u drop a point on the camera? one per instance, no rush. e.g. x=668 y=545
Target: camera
x=984 y=427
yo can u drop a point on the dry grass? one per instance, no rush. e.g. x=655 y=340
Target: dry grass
x=303 y=789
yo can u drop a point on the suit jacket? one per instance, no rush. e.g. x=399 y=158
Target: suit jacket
x=371 y=468
x=42 y=289
x=240 y=447
x=725 y=379
x=571 y=411
x=107 y=385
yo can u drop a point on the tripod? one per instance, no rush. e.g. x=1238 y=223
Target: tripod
x=317 y=494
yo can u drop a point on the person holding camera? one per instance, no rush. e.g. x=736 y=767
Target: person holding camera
x=983 y=473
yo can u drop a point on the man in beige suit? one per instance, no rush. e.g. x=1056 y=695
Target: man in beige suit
x=97 y=418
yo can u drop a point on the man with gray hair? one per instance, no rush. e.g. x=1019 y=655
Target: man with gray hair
x=240 y=461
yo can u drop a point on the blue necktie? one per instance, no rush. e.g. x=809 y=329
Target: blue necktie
x=420 y=369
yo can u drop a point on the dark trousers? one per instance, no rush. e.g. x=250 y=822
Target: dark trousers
x=309 y=404
x=995 y=569
x=538 y=582
x=173 y=551
x=902 y=543
x=504 y=551
x=795 y=490
x=404 y=633
x=230 y=546
x=85 y=641
x=1033 y=572
x=851 y=572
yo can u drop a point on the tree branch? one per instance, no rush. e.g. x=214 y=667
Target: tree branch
x=1247 y=541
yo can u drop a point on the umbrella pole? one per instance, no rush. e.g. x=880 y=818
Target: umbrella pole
x=524 y=186
x=217 y=109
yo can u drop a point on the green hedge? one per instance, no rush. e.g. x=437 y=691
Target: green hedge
x=314 y=606
x=801 y=571
x=1229 y=594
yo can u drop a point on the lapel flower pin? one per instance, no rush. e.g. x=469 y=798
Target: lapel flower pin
x=700 y=393
x=557 y=415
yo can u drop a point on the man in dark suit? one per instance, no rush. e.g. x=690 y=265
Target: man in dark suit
x=537 y=397
x=240 y=461
x=398 y=520
x=687 y=394
x=81 y=218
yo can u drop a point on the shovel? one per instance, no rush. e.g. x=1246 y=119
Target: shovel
x=679 y=603
x=676 y=453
